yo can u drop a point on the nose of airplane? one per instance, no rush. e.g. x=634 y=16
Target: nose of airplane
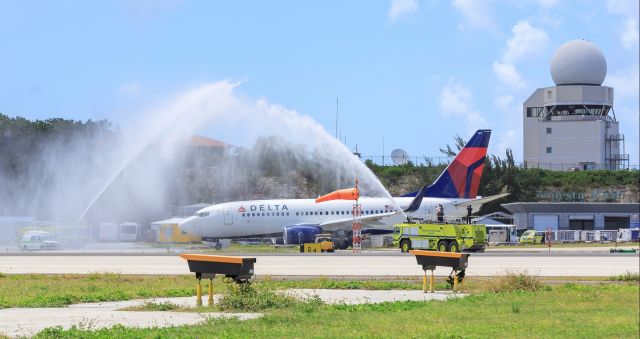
x=188 y=225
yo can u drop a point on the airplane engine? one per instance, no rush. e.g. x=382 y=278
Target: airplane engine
x=293 y=235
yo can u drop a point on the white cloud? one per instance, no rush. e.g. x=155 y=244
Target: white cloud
x=629 y=27
x=629 y=35
x=525 y=42
x=456 y=100
x=399 y=8
x=476 y=14
x=131 y=89
x=508 y=74
x=509 y=140
x=504 y=103
x=626 y=84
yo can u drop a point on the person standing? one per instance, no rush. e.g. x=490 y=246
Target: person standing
x=440 y=213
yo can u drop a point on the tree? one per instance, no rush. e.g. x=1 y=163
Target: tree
x=459 y=143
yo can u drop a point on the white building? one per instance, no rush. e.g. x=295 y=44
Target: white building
x=572 y=125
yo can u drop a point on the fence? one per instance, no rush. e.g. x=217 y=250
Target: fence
x=381 y=160
x=585 y=236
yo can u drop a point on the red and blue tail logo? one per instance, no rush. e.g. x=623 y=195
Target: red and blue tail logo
x=461 y=179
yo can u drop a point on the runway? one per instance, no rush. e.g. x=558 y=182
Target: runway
x=392 y=264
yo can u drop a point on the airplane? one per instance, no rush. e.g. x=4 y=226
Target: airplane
x=299 y=220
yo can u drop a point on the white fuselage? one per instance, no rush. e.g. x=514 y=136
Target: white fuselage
x=268 y=217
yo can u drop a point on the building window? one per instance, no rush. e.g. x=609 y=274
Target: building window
x=534 y=112
x=548 y=150
x=548 y=130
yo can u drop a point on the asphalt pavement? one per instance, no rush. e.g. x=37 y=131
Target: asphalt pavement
x=332 y=264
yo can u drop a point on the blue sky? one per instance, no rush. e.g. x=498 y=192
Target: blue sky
x=415 y=73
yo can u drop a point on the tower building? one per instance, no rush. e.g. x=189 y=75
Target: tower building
x=572 y=125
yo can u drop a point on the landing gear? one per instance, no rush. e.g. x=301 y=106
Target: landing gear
x=343 y=243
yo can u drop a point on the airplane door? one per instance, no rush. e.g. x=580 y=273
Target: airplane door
x=429 y=212
x=228 y=218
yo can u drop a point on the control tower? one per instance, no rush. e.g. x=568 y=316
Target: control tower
x=572 y=125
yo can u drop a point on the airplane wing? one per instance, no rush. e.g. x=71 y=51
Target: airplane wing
x=346 y=223
x=476 y=203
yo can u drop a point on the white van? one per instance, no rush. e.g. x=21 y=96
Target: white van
x=38 y=240
x=129 y=231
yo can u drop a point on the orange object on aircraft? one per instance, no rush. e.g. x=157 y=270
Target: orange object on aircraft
x=345 y=194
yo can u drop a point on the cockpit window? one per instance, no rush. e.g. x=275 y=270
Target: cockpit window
x=202 y=214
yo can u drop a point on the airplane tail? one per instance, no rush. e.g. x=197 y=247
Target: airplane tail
x=461 y=179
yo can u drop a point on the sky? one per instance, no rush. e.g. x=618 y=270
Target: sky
x=407 y=73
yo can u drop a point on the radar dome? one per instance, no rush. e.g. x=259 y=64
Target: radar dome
x=578 y=62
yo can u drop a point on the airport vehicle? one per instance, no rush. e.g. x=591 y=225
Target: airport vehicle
x=129 y=231
x=440 y=237
x=325 y=241
x=322 y=243
x=532 y=237
x=299 y=220
x=38 y=240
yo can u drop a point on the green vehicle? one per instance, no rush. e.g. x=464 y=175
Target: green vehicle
x=532 y=237
x=440 y=237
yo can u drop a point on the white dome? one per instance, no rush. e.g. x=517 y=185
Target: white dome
x=578 y=62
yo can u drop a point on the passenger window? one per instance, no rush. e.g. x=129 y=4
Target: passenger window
x=287 y=213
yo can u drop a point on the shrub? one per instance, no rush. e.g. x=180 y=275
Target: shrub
x=252 y=297
x=516 y=281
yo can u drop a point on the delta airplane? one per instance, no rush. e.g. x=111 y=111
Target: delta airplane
x=299 y=220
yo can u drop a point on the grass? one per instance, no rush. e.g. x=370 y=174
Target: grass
x=155 y=307
x=627 y=276
x=512 y=305
x=569 y=310
x=233 y=248
x=570 y=245
x=39 y=290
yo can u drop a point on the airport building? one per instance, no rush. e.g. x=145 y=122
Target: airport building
x=581 y=216
x=572 y=125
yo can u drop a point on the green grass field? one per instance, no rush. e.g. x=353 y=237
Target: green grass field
x=509 y=306
x=559 y=312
